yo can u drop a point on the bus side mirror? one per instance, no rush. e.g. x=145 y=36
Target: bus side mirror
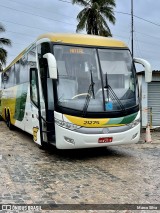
x=52 y=65
x=147 y=68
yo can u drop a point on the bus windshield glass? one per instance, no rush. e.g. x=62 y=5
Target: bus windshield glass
x=105 y=78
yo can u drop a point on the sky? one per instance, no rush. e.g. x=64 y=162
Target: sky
x=25 y=20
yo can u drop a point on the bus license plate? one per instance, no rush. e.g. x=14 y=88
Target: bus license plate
x=105 y=140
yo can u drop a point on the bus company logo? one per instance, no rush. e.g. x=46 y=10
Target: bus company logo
x=105 y=130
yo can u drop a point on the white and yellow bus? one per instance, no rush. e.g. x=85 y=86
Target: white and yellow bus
x=74 y=91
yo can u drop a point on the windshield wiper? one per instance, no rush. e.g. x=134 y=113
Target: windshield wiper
x=112 y=94
x=88 y=97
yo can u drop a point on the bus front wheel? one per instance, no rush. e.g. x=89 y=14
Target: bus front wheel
x=43 y=146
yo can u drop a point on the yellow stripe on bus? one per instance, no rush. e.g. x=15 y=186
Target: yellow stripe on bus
x=87 y=122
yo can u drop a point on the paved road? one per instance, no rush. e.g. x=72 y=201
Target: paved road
x=116 y=175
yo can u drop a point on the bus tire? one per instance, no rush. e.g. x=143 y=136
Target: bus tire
x=8 y=121
x=43 y=146
x=5 y=116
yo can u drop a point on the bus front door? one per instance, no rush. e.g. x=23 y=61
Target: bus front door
x=35 y=107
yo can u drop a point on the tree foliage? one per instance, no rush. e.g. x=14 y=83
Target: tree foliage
x=3 y=42
x=94 y=16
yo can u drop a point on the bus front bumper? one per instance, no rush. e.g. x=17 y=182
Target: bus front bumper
x=67 y=139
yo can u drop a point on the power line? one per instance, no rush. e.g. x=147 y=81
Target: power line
x=138 y=17
x=65 y=1
x=21 y=33
x=149 y=43
x=23 y=25
x=47 y=29
x=36 y=15
x=148 y=35
x=70 y=16
x=120 y=36
x=72 y=24
x=151 y=22
x=125 y=13
x=18 y=43
x=31 y=6
x=114 y=35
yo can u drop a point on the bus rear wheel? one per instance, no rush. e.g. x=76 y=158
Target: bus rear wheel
x=8 y=121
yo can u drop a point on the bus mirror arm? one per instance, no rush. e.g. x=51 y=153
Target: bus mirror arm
x=147 y=68
x=52 y=65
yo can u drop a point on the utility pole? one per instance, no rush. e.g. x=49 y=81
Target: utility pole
x=132 y=30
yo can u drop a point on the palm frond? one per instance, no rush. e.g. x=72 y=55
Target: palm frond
x=111 y=3
x=81 y=26
x=5 y=41
x=95 y=15
x=2 y=29
x=82 y=21
x=82 y=13
x=3 y=56
x=81 y=2
x=108 y=13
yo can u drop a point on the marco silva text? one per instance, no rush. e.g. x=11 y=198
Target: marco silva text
x=147 y=207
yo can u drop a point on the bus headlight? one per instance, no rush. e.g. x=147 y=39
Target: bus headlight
x=134 y=123
x=66 y=125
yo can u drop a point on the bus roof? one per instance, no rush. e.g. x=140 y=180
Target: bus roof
x=82 y=39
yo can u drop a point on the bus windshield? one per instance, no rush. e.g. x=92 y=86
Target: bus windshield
x=106 y=77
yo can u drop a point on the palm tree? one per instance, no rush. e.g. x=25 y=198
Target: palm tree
x=94 y=15
x=3 y=52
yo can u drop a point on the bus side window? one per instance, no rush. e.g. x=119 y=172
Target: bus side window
x=17 y=73
x=24 y=71
x=4 y=80
x=33 y=85
x=7 y=78
x=10 y=74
